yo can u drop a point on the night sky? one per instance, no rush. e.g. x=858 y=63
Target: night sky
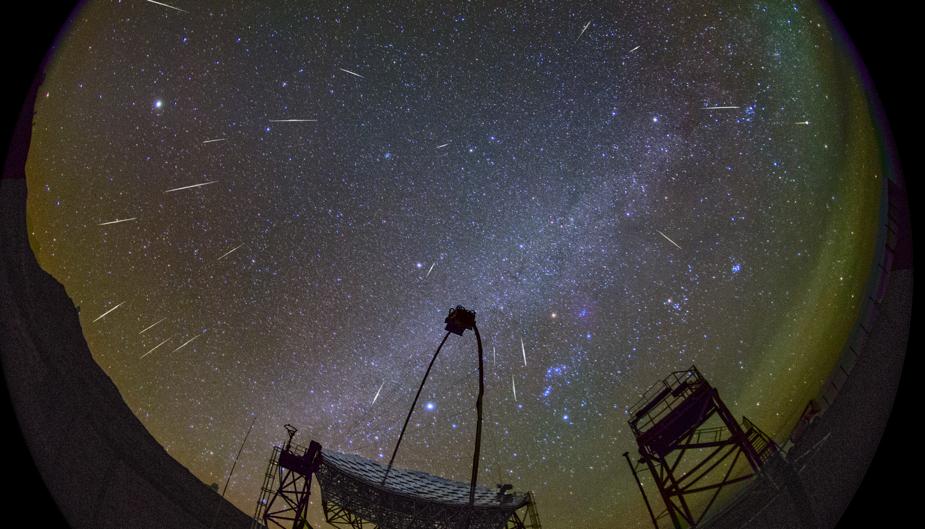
x=559 y=168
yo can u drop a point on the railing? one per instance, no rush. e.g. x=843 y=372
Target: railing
x=764 y=446
x=269 y=479
x=664 y=396
x=710 y=435
x=887 y=240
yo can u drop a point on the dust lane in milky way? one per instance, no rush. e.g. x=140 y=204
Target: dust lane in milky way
x=288 y=198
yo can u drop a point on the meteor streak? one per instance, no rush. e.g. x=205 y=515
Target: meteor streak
x=190 y=187
x=117 y=221
x=103 y=315
x=169 y=6
x=430 y=269
x=149 y=327
x=351 y=73
x=226 y=254
x=155 y=347
x=187 y=342
x=668 y=239
x=444 y=145
x=514 y=387
x=524 y=351
x=634 y=49
x=583 y=30
x=801 y=123
x=292 y=120
x=720 y=107
x=215 y=140
x=377 y=392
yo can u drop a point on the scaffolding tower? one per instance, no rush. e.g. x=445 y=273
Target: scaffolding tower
x=286 y=488
x=692 y=447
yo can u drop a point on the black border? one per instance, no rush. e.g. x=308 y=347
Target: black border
x=27 y=32
x=884 y=41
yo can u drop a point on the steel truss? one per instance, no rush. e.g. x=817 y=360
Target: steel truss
x=684 y=458
x=352 y=503
x=287 y=485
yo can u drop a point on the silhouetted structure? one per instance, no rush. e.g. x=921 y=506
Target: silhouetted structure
x=287 y=485
x=686 y=457
x=352 y=496
x=363 y=494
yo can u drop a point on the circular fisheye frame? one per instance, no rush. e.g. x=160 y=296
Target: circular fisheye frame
x=617 y=264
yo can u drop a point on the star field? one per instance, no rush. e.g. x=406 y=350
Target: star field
x=302 y=190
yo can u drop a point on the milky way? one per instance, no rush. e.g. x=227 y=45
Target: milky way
x=282 y=200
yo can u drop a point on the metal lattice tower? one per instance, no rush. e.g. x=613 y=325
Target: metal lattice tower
x=287 y=485
x=691 y=447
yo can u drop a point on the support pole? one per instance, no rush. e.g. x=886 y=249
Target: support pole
x=639 y=483
x=219 y=506
x=413 y=405
x=478 y=426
